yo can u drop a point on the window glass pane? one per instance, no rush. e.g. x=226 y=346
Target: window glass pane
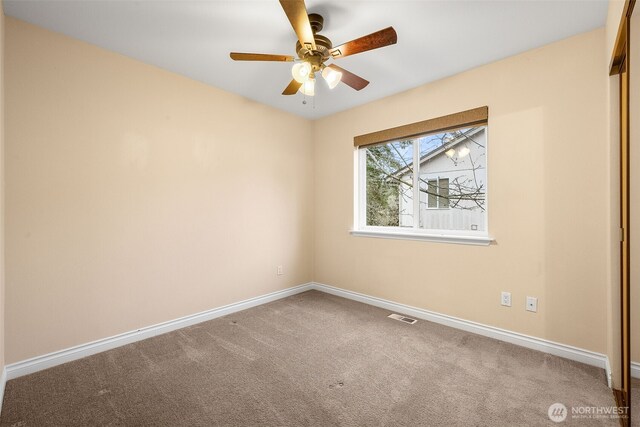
x=443 y=191
x=389 y=184
x=432 y=193
x=453 y=180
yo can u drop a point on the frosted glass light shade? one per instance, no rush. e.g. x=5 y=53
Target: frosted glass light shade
x=301 y=71
x=308 y=88
x=332 y=77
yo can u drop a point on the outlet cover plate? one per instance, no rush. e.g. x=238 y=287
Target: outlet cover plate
x=505 y=299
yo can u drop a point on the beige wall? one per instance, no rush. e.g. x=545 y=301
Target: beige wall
x=548 y=193
x=614 y=14
x=136 y=196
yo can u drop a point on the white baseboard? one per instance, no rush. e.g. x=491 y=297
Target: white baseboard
x=39 y=363
x=608 y=372
x=3 y=382
x=635 y=369
x=557 y=349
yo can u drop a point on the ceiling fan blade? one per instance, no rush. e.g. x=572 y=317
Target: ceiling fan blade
x=236 y=56
x=296 y=11
x=350 y=79
x=375 y=40
x=292 y=88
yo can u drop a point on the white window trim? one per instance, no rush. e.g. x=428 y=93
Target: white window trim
x=359 y=229
x=410 y=234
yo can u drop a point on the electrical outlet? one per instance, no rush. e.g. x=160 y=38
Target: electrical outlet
x=505 y=299
x=532 y=304
x=279 y=271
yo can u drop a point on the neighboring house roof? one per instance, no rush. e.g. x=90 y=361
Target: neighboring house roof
x=439 y=150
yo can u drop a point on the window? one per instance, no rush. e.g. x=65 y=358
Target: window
x=438 y=193
x=431 y=185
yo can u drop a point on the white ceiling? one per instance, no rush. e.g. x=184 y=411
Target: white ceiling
x=193 y=38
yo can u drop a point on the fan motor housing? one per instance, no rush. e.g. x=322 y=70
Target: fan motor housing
x=323 y=45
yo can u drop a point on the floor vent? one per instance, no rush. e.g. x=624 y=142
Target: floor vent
x=402 y=318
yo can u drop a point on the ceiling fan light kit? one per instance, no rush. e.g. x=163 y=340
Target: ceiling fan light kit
x=308 y=88
x=314 y=49
x=331 y=76
x=301 y=71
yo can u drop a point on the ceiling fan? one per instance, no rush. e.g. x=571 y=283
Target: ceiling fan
x=314 y=50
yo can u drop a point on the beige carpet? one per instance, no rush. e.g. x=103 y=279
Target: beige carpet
x=311 y=359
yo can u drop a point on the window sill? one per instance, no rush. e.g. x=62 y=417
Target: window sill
x=441 y=238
